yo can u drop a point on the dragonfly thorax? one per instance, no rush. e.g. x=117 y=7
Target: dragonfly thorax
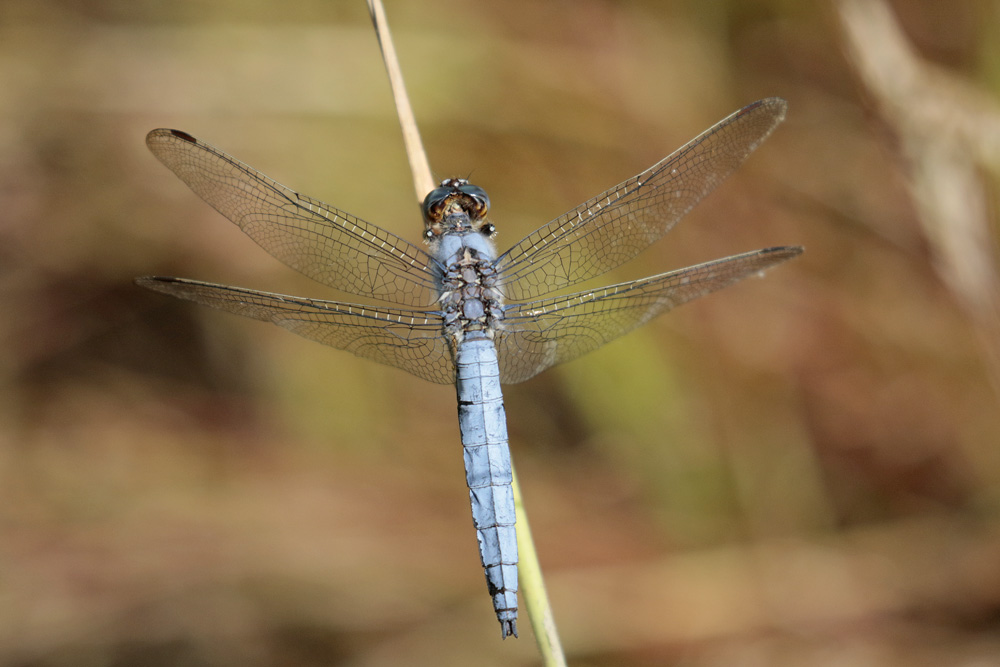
x=470 y=295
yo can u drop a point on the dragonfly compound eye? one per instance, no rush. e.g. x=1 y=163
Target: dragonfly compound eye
x=478 y=197
x=434 y=203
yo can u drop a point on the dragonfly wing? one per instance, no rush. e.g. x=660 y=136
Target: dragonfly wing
x=411 y=340
x=540 y=334
x=329 y=246
x=612 y=228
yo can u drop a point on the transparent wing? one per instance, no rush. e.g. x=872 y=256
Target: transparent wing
x=540 y=334
x=612 y=228
x=407 y=339
x=330 y=246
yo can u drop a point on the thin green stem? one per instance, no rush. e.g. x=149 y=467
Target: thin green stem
x=536 y=599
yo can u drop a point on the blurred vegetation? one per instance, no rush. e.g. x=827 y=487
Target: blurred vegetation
x=799 y=471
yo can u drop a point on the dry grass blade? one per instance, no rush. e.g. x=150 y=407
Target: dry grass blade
x=538 y=609
x=423 y=182
x=948 y=131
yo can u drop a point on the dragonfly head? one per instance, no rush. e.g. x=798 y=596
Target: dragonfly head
x=456 y=206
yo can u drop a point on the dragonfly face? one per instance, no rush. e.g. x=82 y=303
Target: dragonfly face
x=454 y=206
x=460 y=314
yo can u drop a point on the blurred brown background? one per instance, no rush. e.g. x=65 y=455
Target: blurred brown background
x=802 y=470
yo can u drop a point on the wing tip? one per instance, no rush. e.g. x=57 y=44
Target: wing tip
x=165 y=132
x=149 y=280
x=778 y=255
x=788 y=250
x=183 y=135
x=163 y=284
x=770 y=102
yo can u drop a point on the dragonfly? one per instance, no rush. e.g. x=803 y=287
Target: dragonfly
x=455 y=311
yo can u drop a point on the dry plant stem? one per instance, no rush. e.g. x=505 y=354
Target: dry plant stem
x=423 y=182
x=532 y=585
x=948 y=131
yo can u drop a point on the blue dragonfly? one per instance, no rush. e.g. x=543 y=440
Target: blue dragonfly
x=459 y=313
